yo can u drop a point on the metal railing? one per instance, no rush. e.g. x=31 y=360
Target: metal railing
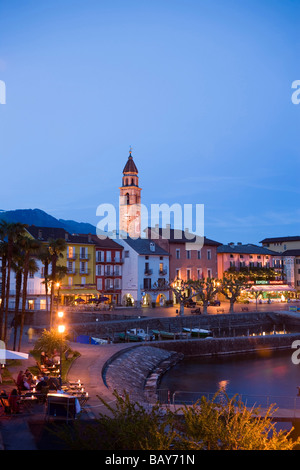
x=288 y=405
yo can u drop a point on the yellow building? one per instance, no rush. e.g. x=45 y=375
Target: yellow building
x=281 y=244
x=78 y=259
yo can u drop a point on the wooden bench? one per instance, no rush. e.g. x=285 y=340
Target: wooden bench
x=196 y=311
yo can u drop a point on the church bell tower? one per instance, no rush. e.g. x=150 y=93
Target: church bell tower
x=130 y=200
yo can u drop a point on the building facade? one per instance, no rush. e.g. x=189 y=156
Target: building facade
x=145 y=273
x=239 y=256
x=289 y=248
x=78 y=259
x=190 y=257
x=249 y=257
x=108 y=268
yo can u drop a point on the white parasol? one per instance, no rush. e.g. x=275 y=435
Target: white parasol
x=7 y=354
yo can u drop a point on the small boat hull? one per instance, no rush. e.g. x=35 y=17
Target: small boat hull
x=198 y=332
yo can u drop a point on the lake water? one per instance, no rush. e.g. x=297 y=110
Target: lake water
x=268 y=374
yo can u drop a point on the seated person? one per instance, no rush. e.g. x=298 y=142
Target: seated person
x=47 y=361
x=41 y=384
x=28 y=376
x=19 y=380
x=13 y=400
x=26 y=384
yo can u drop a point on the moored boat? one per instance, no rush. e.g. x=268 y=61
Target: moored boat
x=198 y=332
x=128 y=337
x=160 y=334
x=135 y=334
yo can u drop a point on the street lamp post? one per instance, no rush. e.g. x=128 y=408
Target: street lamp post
x=61 y=330
x=58 y=287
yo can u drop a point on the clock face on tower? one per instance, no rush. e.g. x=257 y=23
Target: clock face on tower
x=130 y=200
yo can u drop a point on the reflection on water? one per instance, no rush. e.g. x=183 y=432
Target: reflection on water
x=271 y=373
x=223 y=385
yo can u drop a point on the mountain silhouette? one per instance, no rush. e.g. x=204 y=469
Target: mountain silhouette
x=42 y=219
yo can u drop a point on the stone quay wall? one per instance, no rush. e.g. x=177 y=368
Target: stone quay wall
x=220 y=325
x=231 y=345
x=137 y=369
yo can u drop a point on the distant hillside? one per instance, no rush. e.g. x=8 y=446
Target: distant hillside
x=42 y=219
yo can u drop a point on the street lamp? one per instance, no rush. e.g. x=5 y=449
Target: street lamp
x=61 y=330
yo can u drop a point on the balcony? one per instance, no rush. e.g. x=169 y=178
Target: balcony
x=79 y=286
x=72 y=256
x=85 y=272
x=148 y=272
x=111 y=261
x=112 y=274
x=71 y=271
x=154 y=288
x=163 y=272
x=84 y=256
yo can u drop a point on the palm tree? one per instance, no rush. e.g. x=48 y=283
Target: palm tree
x=30 y=247
x=17 y=267
x=11 y=231
x=56 y=249
x=45 y=257
x=3 y=255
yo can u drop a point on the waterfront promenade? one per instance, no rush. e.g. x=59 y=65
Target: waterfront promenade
x=16 y=432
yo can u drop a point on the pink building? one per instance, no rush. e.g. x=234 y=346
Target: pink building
x=187 y=260
x=239 y=256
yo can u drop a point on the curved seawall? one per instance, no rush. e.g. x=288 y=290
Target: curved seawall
x=136 y=370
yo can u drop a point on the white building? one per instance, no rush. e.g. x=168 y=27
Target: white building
x=36 y=298
x=145 y=275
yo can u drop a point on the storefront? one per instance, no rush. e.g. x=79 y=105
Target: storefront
x=77 y=296
x=271 y=291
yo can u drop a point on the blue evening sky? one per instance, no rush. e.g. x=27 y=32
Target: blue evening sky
x=201 y=89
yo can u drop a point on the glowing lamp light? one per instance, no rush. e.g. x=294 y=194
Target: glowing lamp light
x=60 y=314
x=61 y=328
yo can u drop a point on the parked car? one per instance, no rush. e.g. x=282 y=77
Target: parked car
x=190 y=304
x=214 y=303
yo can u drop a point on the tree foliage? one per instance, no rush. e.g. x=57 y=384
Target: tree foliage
x=205 y=290
x=232 y=285
x=220 y=424
x=52 y=340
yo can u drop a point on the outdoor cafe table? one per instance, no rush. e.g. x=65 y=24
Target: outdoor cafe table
x=28 y=402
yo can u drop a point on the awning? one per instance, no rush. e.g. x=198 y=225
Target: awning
x=270 y=288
